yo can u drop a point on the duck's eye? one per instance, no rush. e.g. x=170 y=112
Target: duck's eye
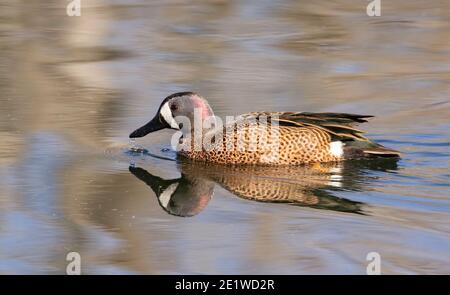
x=173 y=107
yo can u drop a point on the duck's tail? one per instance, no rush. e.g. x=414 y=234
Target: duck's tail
x=368 y=149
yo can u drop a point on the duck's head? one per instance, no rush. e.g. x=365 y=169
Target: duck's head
x=174 y=110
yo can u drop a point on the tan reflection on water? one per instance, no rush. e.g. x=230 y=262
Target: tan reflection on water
x=72 y=88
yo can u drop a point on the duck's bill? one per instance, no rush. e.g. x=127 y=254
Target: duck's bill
x=154 y=125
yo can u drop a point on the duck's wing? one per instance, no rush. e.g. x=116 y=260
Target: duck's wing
x=338 y=125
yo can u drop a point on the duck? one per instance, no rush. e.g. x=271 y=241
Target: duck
x=261 y=138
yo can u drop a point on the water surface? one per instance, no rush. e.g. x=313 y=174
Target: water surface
x=73 y=88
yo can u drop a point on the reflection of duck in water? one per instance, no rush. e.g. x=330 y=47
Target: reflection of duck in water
x=185 y=196
x=308 y=186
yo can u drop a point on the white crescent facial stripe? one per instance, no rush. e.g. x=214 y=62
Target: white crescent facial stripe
x=165 y=196
x=167 y=115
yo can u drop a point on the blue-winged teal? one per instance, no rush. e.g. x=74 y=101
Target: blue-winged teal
x=290 y=138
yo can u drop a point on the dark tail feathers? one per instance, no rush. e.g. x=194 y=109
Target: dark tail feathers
x=368 y=149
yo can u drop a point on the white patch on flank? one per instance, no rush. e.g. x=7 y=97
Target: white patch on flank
x=167 y=115
x=165 y=196
x=336 y=148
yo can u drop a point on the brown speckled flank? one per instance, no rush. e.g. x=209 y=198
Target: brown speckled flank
x=280 y=145
x=263 y=138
